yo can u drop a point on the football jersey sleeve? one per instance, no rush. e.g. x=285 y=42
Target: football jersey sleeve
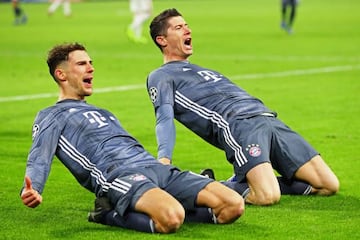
x=160 y=88
x=45 y=135
x=161 y=92
x=165 y=131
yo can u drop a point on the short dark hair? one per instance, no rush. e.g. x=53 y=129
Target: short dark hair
x=60 y=53
x=159 y=24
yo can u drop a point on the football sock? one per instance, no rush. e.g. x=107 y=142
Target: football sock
x=143 y=223
x=283 y=13
x=286 y=187
x=67 y=8
x=242 y=188
x=293 y=187
x=138 y=22
x=200 y=215
x=55 y=4
x=131 y=220
x=20 y=16
x=292 y=15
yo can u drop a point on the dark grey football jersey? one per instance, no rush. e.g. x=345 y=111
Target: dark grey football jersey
x=89 y=141
x=203 y=100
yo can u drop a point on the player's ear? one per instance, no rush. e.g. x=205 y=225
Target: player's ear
x=60 y=74
x=161 y=40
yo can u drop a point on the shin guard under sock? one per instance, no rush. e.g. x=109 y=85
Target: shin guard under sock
x=200 y=215
x=293 y=187
x=131 y=220
x=242 y=188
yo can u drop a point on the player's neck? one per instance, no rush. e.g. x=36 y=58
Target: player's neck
x=69 y=97
x=168 y=59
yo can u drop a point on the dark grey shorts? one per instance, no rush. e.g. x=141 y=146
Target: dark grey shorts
x=131 y=184
x=289 y=2
x=267 y=139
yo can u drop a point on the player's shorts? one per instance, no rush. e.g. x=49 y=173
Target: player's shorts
x=290 y=2
x=131 y=184
x=267 y=139
x=141 y=5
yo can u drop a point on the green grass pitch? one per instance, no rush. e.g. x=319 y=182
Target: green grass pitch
x=311 y=78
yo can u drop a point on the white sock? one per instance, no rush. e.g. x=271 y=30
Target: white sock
x=54 y=6
x=138 y=22
x=67 y=9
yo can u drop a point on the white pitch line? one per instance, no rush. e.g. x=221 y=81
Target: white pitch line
x=236 y=77
x=297 y=72
x=49 y=95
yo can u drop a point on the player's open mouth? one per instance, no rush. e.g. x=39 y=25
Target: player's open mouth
x=87 y=80
x=187 y=44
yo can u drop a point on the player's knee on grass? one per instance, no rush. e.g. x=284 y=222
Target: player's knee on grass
x=330 y=187
x=233 y=209
x=263 y=184
x=227 y=204
x=331 y=184
x=263 y=198
x=335 y=186
x=169 y=220
x=319 y=175
x=166 y=212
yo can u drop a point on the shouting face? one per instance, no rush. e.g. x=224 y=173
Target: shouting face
x=75 y=76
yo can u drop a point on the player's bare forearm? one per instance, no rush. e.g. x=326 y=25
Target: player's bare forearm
x=165 y=161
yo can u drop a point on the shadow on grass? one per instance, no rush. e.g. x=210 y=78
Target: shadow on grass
x=318 y=203
x=299 y=215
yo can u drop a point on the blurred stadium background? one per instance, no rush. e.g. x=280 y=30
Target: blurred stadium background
x=310 y=78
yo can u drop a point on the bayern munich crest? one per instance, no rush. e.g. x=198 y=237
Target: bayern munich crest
x=137 y=177
x=254 y=150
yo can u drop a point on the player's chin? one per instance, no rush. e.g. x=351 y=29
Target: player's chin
x=188 y=53
x=88 y=92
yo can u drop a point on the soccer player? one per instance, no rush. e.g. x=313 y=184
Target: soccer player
x=254 y=140
x=140 y=193
x=20 y=16
x=287 y=19
x=141 y=11
x=56 y=4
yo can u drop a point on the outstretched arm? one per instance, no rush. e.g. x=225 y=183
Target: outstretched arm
x=29 y=196
x=165 y=132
